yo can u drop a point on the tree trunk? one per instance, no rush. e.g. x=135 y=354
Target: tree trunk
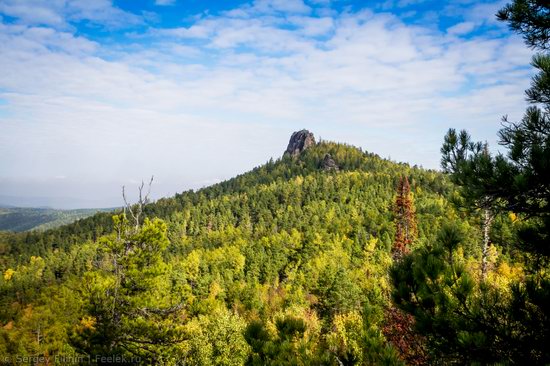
x=487 y=220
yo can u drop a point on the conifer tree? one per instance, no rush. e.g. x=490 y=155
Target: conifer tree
x=399 y=326
x=479 y=322
x=472 y=168
x=405 y=218
x=131 y=309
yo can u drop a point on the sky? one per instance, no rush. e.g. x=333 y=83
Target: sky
x=97 y=94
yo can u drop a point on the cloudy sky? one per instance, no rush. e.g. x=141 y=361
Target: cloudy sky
x=96 y=94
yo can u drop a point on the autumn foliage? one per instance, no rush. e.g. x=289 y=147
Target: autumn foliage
x=399 y=330
x=405 y=218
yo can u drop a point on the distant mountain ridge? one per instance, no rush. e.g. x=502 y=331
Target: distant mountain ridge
x=20 y=219
x=56 y=202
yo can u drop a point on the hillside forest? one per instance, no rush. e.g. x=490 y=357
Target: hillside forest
x=328 y=255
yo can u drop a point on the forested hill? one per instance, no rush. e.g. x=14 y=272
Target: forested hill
x=285 y=264
x=301 y=242
x=25 y=218
x=274 y=176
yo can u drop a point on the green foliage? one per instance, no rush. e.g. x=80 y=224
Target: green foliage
x=130 y=307
x=465 y=320
x=530 y=18
x=216 y=339
x=288 y=247
x=337 y=293
x=289 y=345
x=505 y=319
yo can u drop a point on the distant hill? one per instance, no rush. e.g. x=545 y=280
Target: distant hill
x=23 y=219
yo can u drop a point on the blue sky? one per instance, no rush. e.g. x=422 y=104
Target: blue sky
x=99 y=94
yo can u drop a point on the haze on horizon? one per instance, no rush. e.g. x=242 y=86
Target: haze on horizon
x=99 y=94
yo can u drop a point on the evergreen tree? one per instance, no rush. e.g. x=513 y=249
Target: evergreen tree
x=531 y=19
x=472 y=168
x=405 y=218
x=130 y=308
x=506 y=319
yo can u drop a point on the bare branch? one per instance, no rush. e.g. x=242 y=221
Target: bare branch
x=136 y=210
x=149 y=190
x=127 y=205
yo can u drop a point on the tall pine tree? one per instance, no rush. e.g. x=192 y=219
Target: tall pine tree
x=405 y=218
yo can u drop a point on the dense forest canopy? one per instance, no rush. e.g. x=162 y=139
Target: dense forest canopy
x=289 y=242
x=327 y=256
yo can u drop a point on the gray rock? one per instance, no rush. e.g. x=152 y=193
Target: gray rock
x=299 y=141
x=329 y=164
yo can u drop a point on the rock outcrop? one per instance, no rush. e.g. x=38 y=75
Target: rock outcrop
x=299 y=141
x=328 y=164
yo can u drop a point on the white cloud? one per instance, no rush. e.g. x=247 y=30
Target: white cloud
x=32 y=12
x=461 y=28
x=485 y=12
x=285 y=6
x=59 y=13
x=478 y=13
x=311 y=26
x=404 y=3
x=222 y=95
x=195 y=31
x=165 y=2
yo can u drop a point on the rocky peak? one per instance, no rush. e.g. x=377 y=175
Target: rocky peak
x=329 y=164
x=299 y=141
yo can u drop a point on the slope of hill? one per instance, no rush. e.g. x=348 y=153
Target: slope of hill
x=23 y=218
x=286 y=262
x=309 y=162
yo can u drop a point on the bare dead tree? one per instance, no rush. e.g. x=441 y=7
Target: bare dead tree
x=136 y=210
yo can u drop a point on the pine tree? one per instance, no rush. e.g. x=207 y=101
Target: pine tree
x=467 y=321
x=399 y=326
x=472 y=168
x=131 y=309
x=128 y=311
x=405 y=218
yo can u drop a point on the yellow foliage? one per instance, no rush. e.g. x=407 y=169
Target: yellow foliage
x=492 y=254
x=371 y=244
x=330 y=215
x=504 y=274
x=8 y=274
x=192 y=264
x=27 y=312
x=511 y=272
x=346 y=334
x=88 y=322
x=215 y=290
